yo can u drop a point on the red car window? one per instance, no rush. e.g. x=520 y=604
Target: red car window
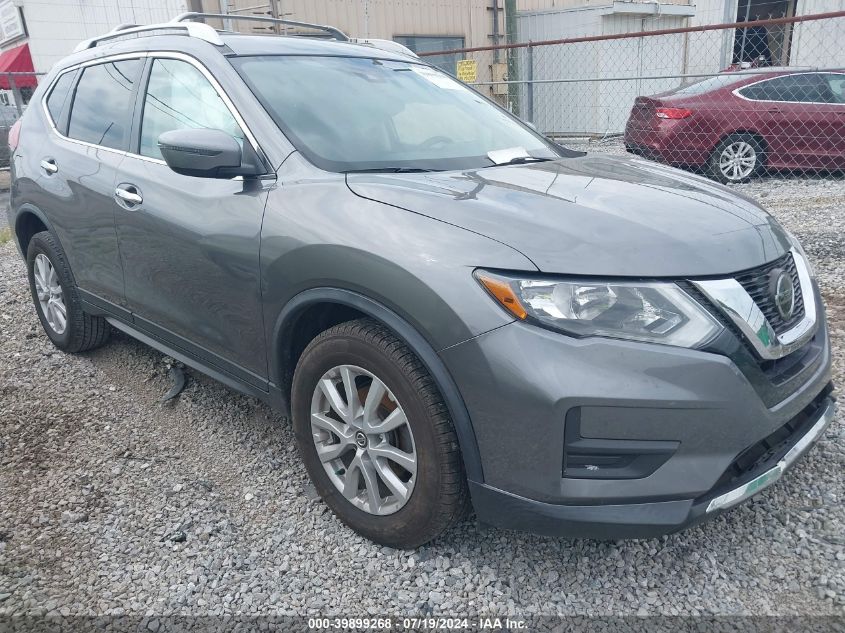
x=798 y=88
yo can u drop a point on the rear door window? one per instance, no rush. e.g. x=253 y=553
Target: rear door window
x=102 y=105
x=800 y=88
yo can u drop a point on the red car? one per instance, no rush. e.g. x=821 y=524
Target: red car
x=737 y=125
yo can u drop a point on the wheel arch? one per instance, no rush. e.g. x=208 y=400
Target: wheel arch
x=30 y=220
x=329 y=306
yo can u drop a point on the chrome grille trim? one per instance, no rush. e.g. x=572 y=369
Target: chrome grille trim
x=729 y=296
x=756 y=283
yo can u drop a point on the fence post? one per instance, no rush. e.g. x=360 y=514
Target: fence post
x=529 y=86
x=511 y=37
x=16 y=91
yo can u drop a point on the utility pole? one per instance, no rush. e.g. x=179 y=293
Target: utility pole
x=274 y=12
x=224 y=8
x=496 y=52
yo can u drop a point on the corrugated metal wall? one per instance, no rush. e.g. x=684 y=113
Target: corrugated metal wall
x=544 y=5
x=470 y=19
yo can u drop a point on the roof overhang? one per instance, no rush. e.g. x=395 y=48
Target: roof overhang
x=621 y=7
x=648 y=8
x=17 y=60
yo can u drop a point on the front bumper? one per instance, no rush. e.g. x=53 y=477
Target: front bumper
x=637 y=520
x=521 y=385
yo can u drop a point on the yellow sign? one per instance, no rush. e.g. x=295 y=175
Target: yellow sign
x=468 y=70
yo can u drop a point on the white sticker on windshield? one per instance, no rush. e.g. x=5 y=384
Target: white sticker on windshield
x=438 y=79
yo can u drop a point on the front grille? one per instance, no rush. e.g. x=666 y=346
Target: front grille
x=756 y=284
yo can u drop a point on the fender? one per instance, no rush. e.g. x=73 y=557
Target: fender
x=411 y=337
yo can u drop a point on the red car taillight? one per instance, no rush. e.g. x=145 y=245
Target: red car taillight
x=14 y=135
x=673 y=113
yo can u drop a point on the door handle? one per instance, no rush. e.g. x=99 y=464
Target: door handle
x=129 y=194
x=49 y=165
x=774 y=110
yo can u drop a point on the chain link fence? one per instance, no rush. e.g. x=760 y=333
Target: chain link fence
x=736 y=101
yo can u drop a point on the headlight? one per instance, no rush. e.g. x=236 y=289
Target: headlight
x=638 y=311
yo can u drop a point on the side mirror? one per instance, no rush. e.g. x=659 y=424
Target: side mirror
x=204 y=153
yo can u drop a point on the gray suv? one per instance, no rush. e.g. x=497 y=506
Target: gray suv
x=454 y=311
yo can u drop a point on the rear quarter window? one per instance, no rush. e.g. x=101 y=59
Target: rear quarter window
x=708 y=85
x=58 y=96
x=799 y=88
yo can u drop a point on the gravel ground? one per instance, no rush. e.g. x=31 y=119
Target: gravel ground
x=113 y=503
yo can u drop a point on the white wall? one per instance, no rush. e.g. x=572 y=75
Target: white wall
x=820 y=43
x=588 y=107
x=596 y=107
x=56 y=26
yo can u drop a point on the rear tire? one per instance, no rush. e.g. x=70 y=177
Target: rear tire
x=371 y=354
x=738 y=158
x=56 y=300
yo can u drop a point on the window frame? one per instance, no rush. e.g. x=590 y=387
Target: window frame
x=140 y=94
x=737 y=92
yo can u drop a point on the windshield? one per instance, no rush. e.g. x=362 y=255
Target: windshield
x=358 y=114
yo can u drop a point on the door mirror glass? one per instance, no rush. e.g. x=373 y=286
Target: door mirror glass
x=202 y=152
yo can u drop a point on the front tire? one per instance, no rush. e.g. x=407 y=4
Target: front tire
x=56 y=300
x=737 y=158
x=389 y=465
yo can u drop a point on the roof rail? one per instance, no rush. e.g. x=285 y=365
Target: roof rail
x=193 y=29
x=384 y=45
x=334 y=32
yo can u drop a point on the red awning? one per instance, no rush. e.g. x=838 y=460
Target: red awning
x=17 y=60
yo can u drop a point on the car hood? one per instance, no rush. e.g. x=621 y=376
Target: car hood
x=594 y=215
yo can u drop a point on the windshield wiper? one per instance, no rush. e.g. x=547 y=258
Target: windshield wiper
x=390 y=170
x=521 y=160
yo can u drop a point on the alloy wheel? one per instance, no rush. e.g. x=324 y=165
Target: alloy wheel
x=738 y=160
x=363 y=440
x=50 y=294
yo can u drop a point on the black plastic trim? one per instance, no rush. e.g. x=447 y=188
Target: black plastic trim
x=271 y=396
x=601 y=458
x=192 y=355
x=96 y=306
x=201 y=354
